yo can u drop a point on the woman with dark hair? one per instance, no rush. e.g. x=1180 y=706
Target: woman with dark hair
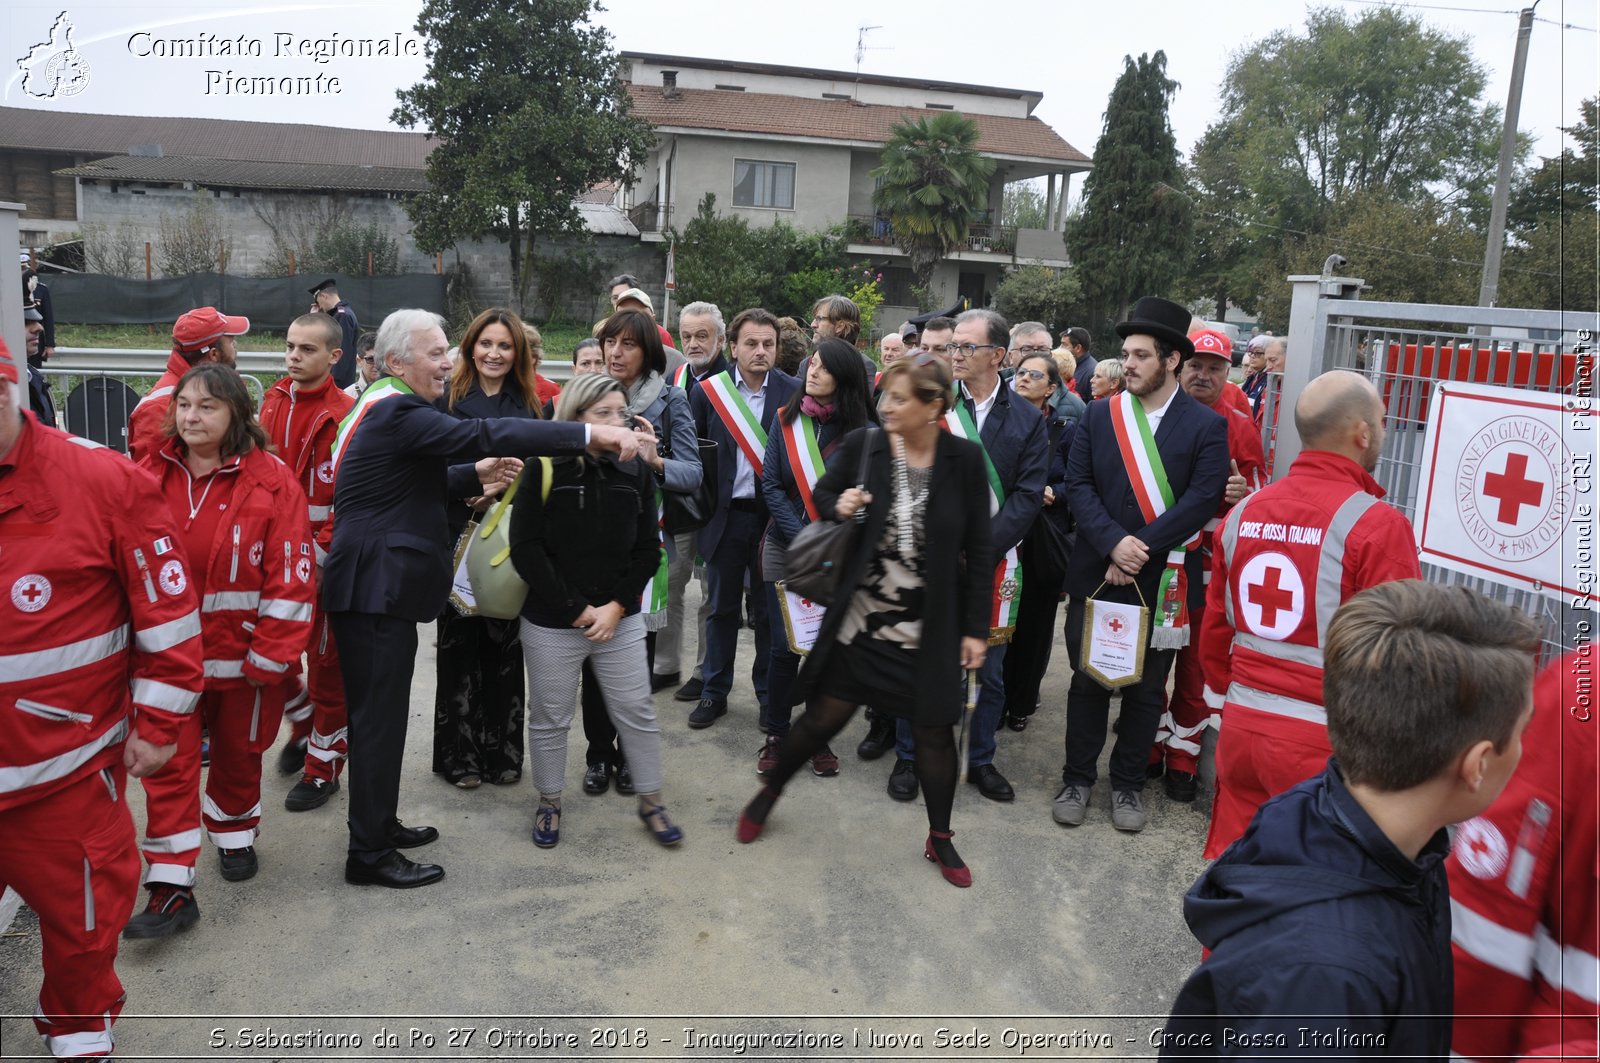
x=243 y=522
x=635 y=359
x=912 y=607
x=478 y=702
x=835 y=401
x=1044 y=548
x=587 y=550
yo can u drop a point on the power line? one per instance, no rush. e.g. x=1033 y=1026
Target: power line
x=1467 y=10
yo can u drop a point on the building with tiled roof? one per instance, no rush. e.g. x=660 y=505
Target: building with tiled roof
x=798 y=145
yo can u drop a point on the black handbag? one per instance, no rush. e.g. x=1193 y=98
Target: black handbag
x=686 y=512
x=815 y=559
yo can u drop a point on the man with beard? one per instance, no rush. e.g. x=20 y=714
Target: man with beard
x=1147 y=470
x=1286 y=558
x=702 y=334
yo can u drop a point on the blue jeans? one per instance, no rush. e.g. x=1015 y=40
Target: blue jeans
x=738 y=554
x=985 y=719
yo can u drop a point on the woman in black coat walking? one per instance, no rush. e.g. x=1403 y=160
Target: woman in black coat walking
x=912 y=609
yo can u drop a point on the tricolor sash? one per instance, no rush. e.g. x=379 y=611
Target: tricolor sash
x=805 y=458
x=1170 y=626
x=737 y=417
x=1007 y=600
x=383 y=388
x=680 y=376
x=653 y=602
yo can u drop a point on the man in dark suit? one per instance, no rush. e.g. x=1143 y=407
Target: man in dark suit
x=1014 y=436
x=1125 y=546
x=1076 y=341
x=388 y=568
x=325 y=297
x=736 y=409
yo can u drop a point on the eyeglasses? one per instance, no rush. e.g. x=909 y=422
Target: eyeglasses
x=1026 y=351
x=1032 y=374
x=369 y=359
x=967 y=350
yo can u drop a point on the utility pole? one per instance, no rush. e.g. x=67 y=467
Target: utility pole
x=1490 y=288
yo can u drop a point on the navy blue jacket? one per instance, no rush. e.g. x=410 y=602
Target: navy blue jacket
x=1060 y=432
x=780 y=386
x=1015 y=438
x=1316 y=922
x=1193 y=443
x=1083 y=379
x=391 y=541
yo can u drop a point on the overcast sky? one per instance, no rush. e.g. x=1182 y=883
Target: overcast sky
x=1069 y=50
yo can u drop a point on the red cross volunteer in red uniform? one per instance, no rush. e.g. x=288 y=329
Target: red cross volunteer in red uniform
x=203 y=335
x=1204 y=378
x=1286 y=557
x=98 y=671
x=301 y=415
x=1523 y=919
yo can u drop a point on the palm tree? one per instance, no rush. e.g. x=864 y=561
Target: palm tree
x=932 y=184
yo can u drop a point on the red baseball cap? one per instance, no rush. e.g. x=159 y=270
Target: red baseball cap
x=200 y=328
x=8 y=364
x=1210 y=341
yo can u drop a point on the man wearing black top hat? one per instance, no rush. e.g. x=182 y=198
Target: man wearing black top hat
x=1147 y=470
x=325 y=297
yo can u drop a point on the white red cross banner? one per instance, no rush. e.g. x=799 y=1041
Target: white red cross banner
x=1507 y=489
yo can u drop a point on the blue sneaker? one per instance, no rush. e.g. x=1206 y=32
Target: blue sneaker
x=546 y=826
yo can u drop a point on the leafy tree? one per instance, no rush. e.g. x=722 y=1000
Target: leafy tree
x=526 y=99
x=1023 y=206
x=934 y=184
x=1564 y=184
x=1555 y=222
x=1133 y=235
x=1039 y=293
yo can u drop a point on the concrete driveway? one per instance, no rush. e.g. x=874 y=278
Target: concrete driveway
x=831 y=933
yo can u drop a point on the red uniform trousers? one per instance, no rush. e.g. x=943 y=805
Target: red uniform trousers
x=1259 y=756
x=1184 y=723
x=242 y=723
x=72 y=856
x=328 y=743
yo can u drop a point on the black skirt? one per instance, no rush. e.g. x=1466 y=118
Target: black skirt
x=882 y=674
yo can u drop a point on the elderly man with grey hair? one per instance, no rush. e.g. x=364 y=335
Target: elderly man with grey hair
x=702 y=334
x=389 y=569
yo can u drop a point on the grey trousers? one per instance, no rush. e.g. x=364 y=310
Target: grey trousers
x=555 y=659
x=669 y=640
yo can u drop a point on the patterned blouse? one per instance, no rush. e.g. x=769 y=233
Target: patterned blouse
x=889 y=602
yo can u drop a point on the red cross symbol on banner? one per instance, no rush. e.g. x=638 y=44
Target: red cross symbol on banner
x=1115 y=625
x=1512 y=487
x=33 y=592
x=1270 y=596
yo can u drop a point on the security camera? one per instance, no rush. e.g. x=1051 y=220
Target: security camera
x=1334 y=262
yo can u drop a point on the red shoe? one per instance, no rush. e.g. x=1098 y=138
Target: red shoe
x=767 y=759
x=825 y=764
x=956 y=876
x=749 y=830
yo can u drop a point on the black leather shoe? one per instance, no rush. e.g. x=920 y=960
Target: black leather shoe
x=1154 y=770
x=990 y=783
x=690 y=691
x=662 y=682
x=1016 y=723
x=1181 y=786
x=624 y=780
x=597 y=779
x=708 y=712
x=903 y=780
x=404 y=837
x=879 y=740
x=292 y=758
x=394 y=871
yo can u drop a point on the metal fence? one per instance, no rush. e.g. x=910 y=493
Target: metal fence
x=1405 y=349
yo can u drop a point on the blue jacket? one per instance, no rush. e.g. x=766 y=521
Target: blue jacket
x=1083 y=379
x=1318 y=926
x=1060 y=431
x=391 y=541
x=780 y=386
x=1193 y=443
x=1015 y=438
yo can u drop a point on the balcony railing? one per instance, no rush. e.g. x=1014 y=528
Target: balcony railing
x=981 y=236
x=650 y=217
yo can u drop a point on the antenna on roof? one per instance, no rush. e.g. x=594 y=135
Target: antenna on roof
x=862 y=50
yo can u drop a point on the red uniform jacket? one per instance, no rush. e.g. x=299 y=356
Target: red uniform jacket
x=256 y=584
x=301 y=426
x=144 y=423
x=101 y=633
x=1233 y=397
x=1287 y=557
x=1522 y=885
